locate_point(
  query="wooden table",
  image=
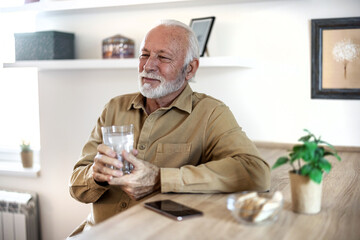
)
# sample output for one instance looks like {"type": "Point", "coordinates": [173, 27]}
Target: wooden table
{"type": "Point", "coordinates": [338, 219]}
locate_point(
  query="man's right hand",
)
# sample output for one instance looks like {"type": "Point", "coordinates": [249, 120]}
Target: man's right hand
{"type": "Point", "coordinates": [106, 164]}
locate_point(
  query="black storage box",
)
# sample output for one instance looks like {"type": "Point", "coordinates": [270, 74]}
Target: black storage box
{"type": "Point", "coordinates": [44, 45]}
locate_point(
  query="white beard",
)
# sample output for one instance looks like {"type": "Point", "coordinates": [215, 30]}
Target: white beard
{"type": "Point", "coordinates": [165, 87]}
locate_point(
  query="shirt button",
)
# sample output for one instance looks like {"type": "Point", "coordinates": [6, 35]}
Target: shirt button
{"type": "Point", "coordinates": [142, 147]}
{"type": "Point", "coordinates": [123, 205]}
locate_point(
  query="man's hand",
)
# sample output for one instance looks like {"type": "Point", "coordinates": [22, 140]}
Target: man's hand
{"type": "Point", "coordinates": [105, 164]}
{"type": "Point", "coordinates": [143, 180]}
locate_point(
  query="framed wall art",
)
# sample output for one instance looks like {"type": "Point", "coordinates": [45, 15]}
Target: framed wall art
{"type": "Point", "coordinates": [335, 58]}
{"type": "Point", "coordinates": [202, 28]}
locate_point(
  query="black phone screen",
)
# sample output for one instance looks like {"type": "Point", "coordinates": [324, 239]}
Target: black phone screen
{"type": "Point", "coordinates": [173, 209]}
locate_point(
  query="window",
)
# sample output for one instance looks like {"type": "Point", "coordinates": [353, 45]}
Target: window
{"type": "Point", "coordinates": [19, 103]}
{"type": "Point", "coordinates": [19, 109]}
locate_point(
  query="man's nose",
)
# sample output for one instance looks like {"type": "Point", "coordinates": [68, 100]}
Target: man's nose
{"type": "Point", "coordinates": [151, 64]}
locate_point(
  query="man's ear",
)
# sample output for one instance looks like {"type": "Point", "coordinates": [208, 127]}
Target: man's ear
{"type": "Point", "coordinates": [191, 69]}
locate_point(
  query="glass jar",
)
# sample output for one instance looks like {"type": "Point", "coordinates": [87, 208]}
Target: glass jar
{"type": "Point", "coordinates": [118, 46]}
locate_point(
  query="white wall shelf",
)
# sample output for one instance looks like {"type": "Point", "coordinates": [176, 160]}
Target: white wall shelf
{"type": "Point", "coordinates": [132, 63]}
{"type": "Point", "coordinates": [67, 5]}
{"type": "Point", "coordinates": [84, 5]}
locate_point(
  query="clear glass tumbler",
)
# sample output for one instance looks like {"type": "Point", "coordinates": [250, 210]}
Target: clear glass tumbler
{"type": "Point", "coordinates": [120, 138]}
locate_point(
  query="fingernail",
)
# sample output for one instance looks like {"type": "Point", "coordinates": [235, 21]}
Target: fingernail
{"type": "Point", "coordinates": [119, 173]}
{"type": "Point", "coordinates": [113, 153]}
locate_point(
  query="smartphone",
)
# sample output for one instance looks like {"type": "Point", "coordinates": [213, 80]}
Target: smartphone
{"type": "Point", "coordinates": [173, 209]}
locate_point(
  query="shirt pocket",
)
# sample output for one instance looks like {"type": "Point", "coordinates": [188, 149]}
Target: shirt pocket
{"type": "Point", "coordinates": [172, 155]}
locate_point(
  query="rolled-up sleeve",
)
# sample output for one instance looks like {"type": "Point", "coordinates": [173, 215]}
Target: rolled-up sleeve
{"type": "Point", "coordinates": [83, 186]}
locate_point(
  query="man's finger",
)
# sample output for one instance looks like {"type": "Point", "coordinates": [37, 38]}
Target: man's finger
{"type": "Point", "coordinates": [102, 148]}
{"type": "Point", "coordinates": [130, 158]}
{"type": "Point", "coordinates": [105, 160]}
{"type": "Point", "coordinates": [135, 152]}
{"type": "Point", "coordinates": [121, 181]}
{"type": "Point", "coordinates": [101, 177]}
{"type": "Point", "coordinates": [106, 170]}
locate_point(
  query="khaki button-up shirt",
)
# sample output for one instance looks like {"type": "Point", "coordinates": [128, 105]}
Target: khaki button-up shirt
{"type": "Point", "coordinates": [196, 142]}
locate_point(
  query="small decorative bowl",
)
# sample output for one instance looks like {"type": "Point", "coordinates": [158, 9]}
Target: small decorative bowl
{"type": "Point", "coordinates": [253, 208]}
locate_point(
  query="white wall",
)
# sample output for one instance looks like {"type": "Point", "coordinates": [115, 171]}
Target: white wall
{"type": "Point", "coordinates": [271, 101]}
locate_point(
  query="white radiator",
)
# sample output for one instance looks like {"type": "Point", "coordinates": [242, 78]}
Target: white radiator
{"type": "Point", "coordinates": [18, 216]}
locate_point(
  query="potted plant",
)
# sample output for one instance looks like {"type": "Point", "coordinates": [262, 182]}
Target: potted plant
{"type": "Point", "coordinates": [26, 155]}
{"type": "Point", "coordinates": [308, 165]}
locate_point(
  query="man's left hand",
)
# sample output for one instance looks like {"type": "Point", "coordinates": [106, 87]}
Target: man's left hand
{"type": "Point", "coordinates": [143, 180]}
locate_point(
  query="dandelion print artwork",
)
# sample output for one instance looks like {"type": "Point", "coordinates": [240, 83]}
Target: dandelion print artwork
{"type": "Point", "coordinates": [346, 51]}
{"type": "Point", "coordinates": [341, 59]}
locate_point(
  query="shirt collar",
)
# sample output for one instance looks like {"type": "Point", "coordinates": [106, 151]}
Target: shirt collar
{"type": "Point", "coordinates": [182, 102]}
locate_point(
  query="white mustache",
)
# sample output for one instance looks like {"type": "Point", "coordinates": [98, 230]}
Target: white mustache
{"type": "Point", "coordinates": [151, 75]}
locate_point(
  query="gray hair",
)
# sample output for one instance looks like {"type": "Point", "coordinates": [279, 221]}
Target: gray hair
{"type": "Point", "coordinates": [193, 47]}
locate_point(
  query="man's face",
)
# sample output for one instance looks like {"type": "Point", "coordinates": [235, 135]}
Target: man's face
{"type": "Point", "coordinates": [161, 65]}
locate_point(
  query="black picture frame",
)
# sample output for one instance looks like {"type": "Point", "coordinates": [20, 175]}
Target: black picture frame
{"type": "Point", "coordinates": [202, 28]}
{"type": "Point", "coordinates": [318, 26]}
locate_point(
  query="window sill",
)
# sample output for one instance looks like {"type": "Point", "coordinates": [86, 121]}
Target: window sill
{"type": "Point", "coordinates": [15, 169]}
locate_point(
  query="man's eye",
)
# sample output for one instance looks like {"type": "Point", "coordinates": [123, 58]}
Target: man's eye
{"type": "Point", "coordinates": [163, 58]}
{"type": "Point", "coordinates": [144, 55]}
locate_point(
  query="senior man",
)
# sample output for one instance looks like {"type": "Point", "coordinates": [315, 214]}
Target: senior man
{"type": "Point", "coordinates": [184, 141]}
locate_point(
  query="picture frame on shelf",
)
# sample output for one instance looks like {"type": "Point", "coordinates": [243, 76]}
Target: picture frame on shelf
{"type": "Point", "coordinates": [335, 58]}
{"type": "Point", "coordinates": [202, 28]}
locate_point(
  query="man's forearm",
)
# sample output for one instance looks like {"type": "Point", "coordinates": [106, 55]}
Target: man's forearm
{"type": "Point", "coordinates": [226, 175]}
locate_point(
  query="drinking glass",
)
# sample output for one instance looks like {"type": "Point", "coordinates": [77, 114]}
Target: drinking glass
{"type": "Point", "coordinates": [120, 138]}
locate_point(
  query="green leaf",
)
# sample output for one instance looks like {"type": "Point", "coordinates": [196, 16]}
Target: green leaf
{"type": "Point", "coordinates": [308, 152]}
{"type": "Point", "coordinates": [318, 154]}
{"type": "Point", "coordinates": [304, 138]}
{"type": "Point", "coordinates": [298, 148]}
{"type": "Point", "coordinates": [325, 165]}
{"type": "Point", "coordinates": [306, 169]}
{"type": "Point", "coordinates": [316, 175]}
{"type": "Point", "coordinates": [311, 146]}
{"type": "Point", "coordinates": [297, 152]}
{"type": "Point", "coordinates": [307, 137]}
{"type": "Point", "coordinates": [328, 144]}
{"type": "Point", "coordinates": [327, 153]}
{"type": "Point", "coordinates": [305, 130]}
{"type": "Point", "coordinates": [280, 161]}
